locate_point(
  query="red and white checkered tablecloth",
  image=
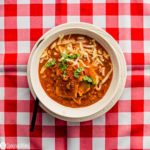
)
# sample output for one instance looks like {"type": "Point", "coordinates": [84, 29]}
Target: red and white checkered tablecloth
{"type": "Point", "coordinates": [125, 126]}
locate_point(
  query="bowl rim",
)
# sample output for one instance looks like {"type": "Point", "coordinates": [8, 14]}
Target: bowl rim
{"type": "Point", "coordinates": [122, 79]}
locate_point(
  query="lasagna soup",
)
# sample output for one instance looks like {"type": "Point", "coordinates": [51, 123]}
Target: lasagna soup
{"type": "Point", "coordinates": [75, 70]}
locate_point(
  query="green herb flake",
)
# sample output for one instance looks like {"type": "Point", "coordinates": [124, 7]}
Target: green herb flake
{"type": "Point", "coordinates": [65, 56]}
{"type": "Point", "coordinates": [88, 79]}
{"type": "Point", "coordinates": [50, 63]}
{"type": "Point", "coordinates": [74, 56]}
{"type": "Point", "coordinates": [63, 66]}
{"type": "Point", "coordinates": [77, 72]}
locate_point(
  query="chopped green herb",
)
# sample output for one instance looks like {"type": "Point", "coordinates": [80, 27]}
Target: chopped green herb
{"type": "Point", "coordinates": [88, 79]}
{"type": "Point", "coordinates": [63, 66]}
{"type": "Point", "coordinates": [74, 56]}
{"type": "Point", "coordinates": [50, 63]}
{"type": "Point", "coordinates": [63, 61]}
{"type": "Point", "coordinates": [77, 72]}
{"type": "Point", "coordinates": [65, 56]}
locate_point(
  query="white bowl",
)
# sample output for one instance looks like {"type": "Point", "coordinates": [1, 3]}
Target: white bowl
{"type": "Point", "coordinates": [116, 86]}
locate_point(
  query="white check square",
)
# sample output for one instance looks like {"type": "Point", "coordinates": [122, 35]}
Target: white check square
{"type": "Point", "coordinates": [48, 21]}
{"type": "Point", "coordinates": [146, 117]}
{"type": "Point", "coordinates": [146, 21]}
{"type": "Point", "coordinates": [98, 143]}
{"type": "Point", "coordinates": [47, 119]}
{"type": "Point", "coordinates": [1, 22]}
{"type": "Point", "coordinates": [124, 118]}
{"type": "Point", "coordinates": [23, 47]}
{"type": "Point", "coordinates": [124, 21]}
{"type": "Point", "coordinates": [73, 144]}
{"type": "Point", "coordinates": [23, 94]}
{"type": "Point", "coordinates": [99, 1]}
{"type": "Point", "coordinates": [146, 142]}
{"type": "Point", "coordinates": [2, 139]}
{"type": "Point", "coordinates": [99, 120]}
{"type": "Point", "coordinates": [23, 22]}
{"type": "Point", "coordinates": [1, 118]}
{"type": "Point", "coordinates": [125, 45]}
{"type": "Point", "coordinates": [126, 95]}
{"type": "Point", "coordinates": [147, 93]}
{"type": "Point", "coordinates": [2, 47]}
{"type": "Point", "coordinates": [147, 73]}
{"type": "Point", "coordinates": [1, 93]}
{"type": "Point", "coordinates": [49, 1]}
{"type": "Point", "coordinates": [23, 118]}
{"type": "Point", "coordinates": [73, 1]}
{"type": "Point", "coordinates": [23, 143]}
{"type": "Point", "coordinates": [48, 143]}
{"type": "Point", "coordinates": [100, 21]}
{"type": "Point", "coordinates": [124, 1]}
{"type": "Point", "coordinates": [73, 19]}
{"type": "Point", "coordinates": [146, 1]}
{"type": "Point", "coordinates": [147, 46]}
{"type": "Point", "coordinates": [23, 1]}
{"type": "Point", "coordinates": [124, 142]}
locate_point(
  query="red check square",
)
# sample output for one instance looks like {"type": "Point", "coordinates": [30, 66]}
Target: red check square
{"type": "Point", "coordinates": [10, 59]}
{"type": "Point", "coordinates": [137, 9]}
{"type": "Point", "coordinates": [137, 34]}
{"type": "Point", "coordinates": [35, 34]}
{"type": "Point", "coordinates": [114, 32]}
{"type": "Point", "coordinates": [10, 81]}
{"type": "Point", "coordinates": [86, 9]}
{"type": "Point", "coordinates": [137, 80]}
{"type": "Point", "coordinates": [61, 131]}
{"type": "Point", "coordinates": [10, 105]}
{"type": "Point", "coordinates": [37, 131]}
{"type": "Point", "coordinates": [36, 9]}
{"type": "Point", "coordinates": [86, 131]}
{"type": "Point", "coordinates": [137, 105]}
{"type": "Point", "coordinates": [138, 58]}
{"type": "Point", "coordinates": [112, 9]}
{"type": "Point", "coordinates": [10, 9]}
{"type": "Point", "coordinates": [111, 130]}
{"type": "Point", "coordinates": [137, 130]}
{"type": "Point", "coordinates": [10, 130]}
{"type": "Point", "coordinates": [10, 34]}
{"type": "Point", "coordinates": [61, 9]}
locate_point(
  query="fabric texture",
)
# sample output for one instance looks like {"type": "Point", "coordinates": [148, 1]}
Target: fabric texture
{"type": "Point", "coordinates": [125, 126]}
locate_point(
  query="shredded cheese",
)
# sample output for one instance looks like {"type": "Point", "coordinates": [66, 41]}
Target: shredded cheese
{"type": "Point", "coordinates": [107, 76]}
{"type": "Point", "coordinates": [81, 46]}
{"type": "Point", "coordinates": [83, 41]}
{"type": "Point", "coordinates": [42, 69]}
{"type": "Point", "coordinates": [84, 65]}
{"type": "Point", "coordinates": [53, 45]}
{"type": "Point", "coordinates": [105, 55]}
{"type": "Point", "coordinates": [88, 46]}
{"type": "Point", "coordinates": [61, 36]}
{"type": "Point", "coordinates": [64, 42]}
{"type": "Point", "coordinates": [94, 53]}
{"type": "Point", "coordinates": [103, 71]}
{"type": "Point", "coordinates": [98, 87]}
{"type": "Point", "coordinates": [80, 37]}
{"type": "Point", "coordinates": [44, 54]}
{"type": "Point", "coordinates": [70, 47]}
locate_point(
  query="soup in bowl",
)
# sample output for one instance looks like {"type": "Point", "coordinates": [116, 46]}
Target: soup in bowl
{"type": "Point", "coordinates": [77, 71]}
